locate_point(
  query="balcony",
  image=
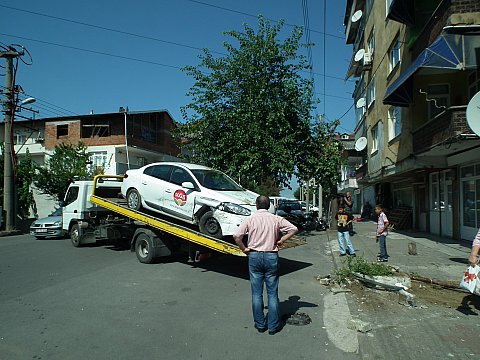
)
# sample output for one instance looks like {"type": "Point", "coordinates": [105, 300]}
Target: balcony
{"type": "Point", "coordinates": [439, 19]}
{"type": "Point", "coordinates": [347, 184]}
{"type": "Point", "coordinates": [442, 129]}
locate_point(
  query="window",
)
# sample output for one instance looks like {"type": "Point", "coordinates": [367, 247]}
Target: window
{"type": "Point", "coordinates": [394, 54]}
{"type": "Point", "coordinates": [371, 93]}
{"type": "Point", "coordinates": [473, 83]}
{"type": "Point", "coordinates": [359, 112]}
{"type": "Point", "coordinates": [388, 3]}
{"type": "Point", "coordinates": [440, 99]}
{"type": "Point", "coordinates": [95, 128]}
{"type": "Point", "coordinates": [71, 195]}
{"type": "Point", "coordinates": [371, 42]}
{"type": "Point", "coordinates": [62, 130]}
{"type": "Point", "coordinates": [374, 139]}
{"type": "Point", "coordinates": [161, 172]}
{"type": "Point", "coordinates": [394, 122]}
{"type": "Point", "coordinates": [179, 176]}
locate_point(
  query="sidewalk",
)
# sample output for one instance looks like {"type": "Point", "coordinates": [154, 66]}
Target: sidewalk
{"type": "Point", "coordinates": [439, 258]}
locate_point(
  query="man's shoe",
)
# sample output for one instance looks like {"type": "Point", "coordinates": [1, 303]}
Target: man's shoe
{"type": "Point", "coordinates": [382, 260]}
{"type": "Point", "coordinates": [273, 332]}
{"type": "Point", "coordinates": [261, 330]}
{"type": "Point", "coordinates": [343, 254]}
{"type": "Point", "coordinates": [353, 255]}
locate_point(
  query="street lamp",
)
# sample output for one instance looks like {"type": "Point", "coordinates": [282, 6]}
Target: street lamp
{"type": "Point", "coordinates": [27, 101]}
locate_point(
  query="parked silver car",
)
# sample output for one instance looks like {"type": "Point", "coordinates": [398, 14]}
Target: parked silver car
{"type": "Point", "coordinates": [50, 226]}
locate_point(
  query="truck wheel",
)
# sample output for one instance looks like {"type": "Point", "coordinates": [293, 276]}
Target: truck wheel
{"type": "Point", "coordinates": [145, 249]}
{"type": "Point", "coordinates": [75, 235]}
{"type": "Point", "coordinates": [210, 226]}
{"type": "Point", "coordinates": [133, 199]}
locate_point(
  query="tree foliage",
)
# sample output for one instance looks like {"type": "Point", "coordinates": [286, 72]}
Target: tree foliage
{"type": "Point", "coordinates": [65, 164]}
{"type": "Point", "coordinates": [321, 156]}
{"type": "Point", "coordinates": [250, 110]}
{"type": "Point", "coordinates": [26, 173]}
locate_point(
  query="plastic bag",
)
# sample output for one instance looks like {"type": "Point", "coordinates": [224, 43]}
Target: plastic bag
{"type": "Point", "coordinates": [470, 280]}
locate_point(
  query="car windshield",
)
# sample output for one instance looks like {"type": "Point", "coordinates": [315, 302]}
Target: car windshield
{"type": "Point", "coordinates": [291, 205]}
{"type": "Point", "coordinates": [57, 212]}
{"type": "Point", "coordinates": [215, 180]}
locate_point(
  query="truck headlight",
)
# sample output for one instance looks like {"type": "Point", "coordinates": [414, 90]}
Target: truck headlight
{"type": "Point", "coordinates": [234, 209]}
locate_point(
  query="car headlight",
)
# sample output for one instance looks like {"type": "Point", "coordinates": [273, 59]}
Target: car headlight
{"type": "Point", "coordinates": [234, 209]}
{"type": "Point", "coordinates": [58, 223]}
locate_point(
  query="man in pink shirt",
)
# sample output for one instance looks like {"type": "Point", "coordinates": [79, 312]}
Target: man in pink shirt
{"type": "Point", "coordinates": [266, 233]}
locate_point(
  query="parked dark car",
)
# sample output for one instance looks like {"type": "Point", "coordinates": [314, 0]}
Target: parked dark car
{"type": "Point", "coordinates": [307, 221]}
{"type": "Point", "coordinates": [50, 226]}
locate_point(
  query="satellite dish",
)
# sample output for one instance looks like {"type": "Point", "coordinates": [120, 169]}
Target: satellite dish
{"type": "Point", "coordinates": [359, 54]}
{"type": "Point", "coordinates": [361, 103]}
{"type": "Point", "coordinates": [361, 143]}
{"type": "Point", "coordinates": [357, 15]}
{"type": "Point", "coordinates": [473, 114]}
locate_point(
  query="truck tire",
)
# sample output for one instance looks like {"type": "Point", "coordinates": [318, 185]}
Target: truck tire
{"type": "Point", "coordinates": [145, 249]}
{"type": "Point", "coordinates": [134, 201]}
{"type": "Point", "coordinates": [210, 226]}
{"type": "Point", "coordinates": [75, 235]}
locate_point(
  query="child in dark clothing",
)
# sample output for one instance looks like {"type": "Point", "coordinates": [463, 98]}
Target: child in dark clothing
{"type": "Point", "coordinates": [343, 222]}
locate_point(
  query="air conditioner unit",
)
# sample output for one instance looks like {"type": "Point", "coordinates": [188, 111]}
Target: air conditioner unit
{"type": "Point", "coordinates": [367, 61]}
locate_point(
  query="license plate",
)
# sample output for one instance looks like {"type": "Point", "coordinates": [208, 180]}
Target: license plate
{"type": "Point", "coordinates": [41, 230]}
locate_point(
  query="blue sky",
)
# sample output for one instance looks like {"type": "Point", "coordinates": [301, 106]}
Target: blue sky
{"type": "Point", "coordinates": [68, 81]}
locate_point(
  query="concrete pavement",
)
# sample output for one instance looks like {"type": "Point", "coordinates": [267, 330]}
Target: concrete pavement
{"type": "Point", "coordinates": [437, 257]}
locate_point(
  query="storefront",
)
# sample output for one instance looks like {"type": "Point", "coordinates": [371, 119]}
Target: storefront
{"type": "Point", "coordinates": [469, 200]}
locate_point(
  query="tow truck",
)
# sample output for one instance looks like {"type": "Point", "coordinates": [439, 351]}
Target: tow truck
{"type": "Point", "coordinates": [95, 210]}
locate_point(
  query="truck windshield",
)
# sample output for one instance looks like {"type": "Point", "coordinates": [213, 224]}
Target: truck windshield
{"type": "Point", "coordinates": [215, 180]}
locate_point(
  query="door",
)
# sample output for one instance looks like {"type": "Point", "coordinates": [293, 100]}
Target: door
{"type": "Point", "coordinates": [179, 201]}
{"type": "Point", "coordinates": [152, 187]}
{"type": "Point", "coordinates": [71, 206]}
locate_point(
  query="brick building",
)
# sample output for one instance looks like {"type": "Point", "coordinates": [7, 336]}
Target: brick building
{"type": "Point", "coordinates": [115, 141]}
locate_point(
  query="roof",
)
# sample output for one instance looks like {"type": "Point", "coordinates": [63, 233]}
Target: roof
{"type": "Point", "coordinates": [106, 114]}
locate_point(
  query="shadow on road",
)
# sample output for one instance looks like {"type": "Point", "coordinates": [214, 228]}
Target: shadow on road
{"type": "Point", "coordinates": [469, 303]}
{"type": "Point", "coordinates": [461, 260]}
{"type": "Point", "coordinates": [238, 266]}
{"type": "Point", "coordinates": [292, 305]}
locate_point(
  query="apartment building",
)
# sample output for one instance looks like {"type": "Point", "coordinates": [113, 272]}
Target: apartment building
{"type": "Point", "coordinates": [115, 141]}
{"type": "Point", "coordinates": [417, 67]}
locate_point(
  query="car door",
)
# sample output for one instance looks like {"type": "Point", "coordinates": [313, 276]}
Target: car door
{"type": "Point", "coordinates": [178, 201]}
{"type": "Point", "coordinates": [71, 206]}
{"type": "Point", "coordinates": [153, 183]}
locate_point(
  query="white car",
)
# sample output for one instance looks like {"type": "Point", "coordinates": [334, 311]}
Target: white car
{"type": "Point", "coordinates": [191, 193]}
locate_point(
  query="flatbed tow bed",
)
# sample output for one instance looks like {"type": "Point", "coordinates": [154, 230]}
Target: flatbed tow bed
{"type": "Point", "coordinates": [151, 237]}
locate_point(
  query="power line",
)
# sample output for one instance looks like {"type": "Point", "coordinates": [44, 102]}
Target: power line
{"type": "Point", "coordinates": [94, 52]}
{"type": "Point", "coordinates": [255, 16]}
{"type": "Point", "coordinates": [106, 28]}
{"type": "Point", "coordinates": [324, 51]}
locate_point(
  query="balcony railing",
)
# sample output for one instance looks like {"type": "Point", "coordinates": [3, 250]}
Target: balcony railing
{"type": "Point", "coordinates": [443, 128]}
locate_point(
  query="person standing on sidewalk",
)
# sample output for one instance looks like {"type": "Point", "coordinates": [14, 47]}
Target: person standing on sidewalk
{"type": "Point", "coordinates": [381, 234]}
{"type": "Point", "coordinates": [343, 221]}
{"type": "Point", "coordinates": [349, 210]}
{"type": "Point", "coordinates": [266, 233]}
{"type": "Point", "coordinates": [475, 248]}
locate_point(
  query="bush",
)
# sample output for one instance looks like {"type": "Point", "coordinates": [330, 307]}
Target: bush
{"type": "Point", "coordinates": [360, 265]}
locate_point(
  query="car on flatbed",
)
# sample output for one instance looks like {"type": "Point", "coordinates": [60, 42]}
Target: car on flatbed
{"type": "Point", "coordinates": [193, 194]}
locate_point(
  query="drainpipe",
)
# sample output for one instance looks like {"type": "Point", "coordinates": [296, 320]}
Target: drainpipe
{"type": "Point", "coordinates": [126, 140]}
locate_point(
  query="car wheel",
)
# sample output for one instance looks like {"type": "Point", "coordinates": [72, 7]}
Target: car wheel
{"type": "Point", "coordinates": [133, 199]}
{"type": "Point", "coordinates": [144, 249]}
{"type": "Point", "coordinates": [75, 235]}
{"type": "Point", "coordinates": [210, 226]}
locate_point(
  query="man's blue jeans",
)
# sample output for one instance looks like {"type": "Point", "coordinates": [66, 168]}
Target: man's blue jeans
{"type": "Point", "coordinates": [263, 267]}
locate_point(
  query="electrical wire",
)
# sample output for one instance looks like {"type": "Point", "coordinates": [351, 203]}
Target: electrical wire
{"type": "Point", "coordinates": [104, 28]}
{"type": "Point", "coordinates": [255, 16]}
{"type": "Point", "coordinates": [94, 51]}
{"type": "Point", "coordinates": [324, 52]}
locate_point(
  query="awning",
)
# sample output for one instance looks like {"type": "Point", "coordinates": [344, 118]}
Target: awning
{"type": "Point", "coordinates": [450, 52]}
{"type": "Point", "coordinates": [402, 11]}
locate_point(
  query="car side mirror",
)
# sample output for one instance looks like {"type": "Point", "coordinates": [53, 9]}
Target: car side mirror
{"type": "Point", "coordinates": [188, 185]}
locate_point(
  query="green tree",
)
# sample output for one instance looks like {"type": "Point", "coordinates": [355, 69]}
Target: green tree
{"type": "Point", "coordinates": [250, 110]}
{"type": "Point", "coordinates": [321, 157]}
{"type": "Point", "coordinates": [26, 170]}
{"type": "Point", "coordinates": [65, 164]}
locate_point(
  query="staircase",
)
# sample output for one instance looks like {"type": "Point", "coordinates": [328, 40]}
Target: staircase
{"type": "Point", "coordinates": [401, 218]}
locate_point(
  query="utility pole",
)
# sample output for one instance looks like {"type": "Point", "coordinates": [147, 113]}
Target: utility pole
{"type": "Point", "coordinates": [9, 106]}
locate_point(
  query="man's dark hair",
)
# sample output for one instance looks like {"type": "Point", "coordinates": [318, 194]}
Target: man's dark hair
{"type": "Point", "coordinates": [263, 202]}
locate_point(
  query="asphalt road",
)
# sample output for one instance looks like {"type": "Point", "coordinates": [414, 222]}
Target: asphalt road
{"type": "Point", "coordinates": [61, 302]}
